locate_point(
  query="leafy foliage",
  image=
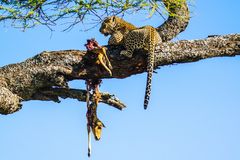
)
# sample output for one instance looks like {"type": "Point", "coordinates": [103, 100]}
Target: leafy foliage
{"type": "Point", "coordinates": [29, 13]}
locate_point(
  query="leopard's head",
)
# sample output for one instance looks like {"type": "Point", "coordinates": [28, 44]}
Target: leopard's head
{"type": "Point", "coordinates": [113, 24]}
{"type": "Point", "coordinates": [109, 25]}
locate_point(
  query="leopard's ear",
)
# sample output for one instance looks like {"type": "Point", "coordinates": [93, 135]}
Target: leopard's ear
{"type": "Point", "coordinates": [114, 18]}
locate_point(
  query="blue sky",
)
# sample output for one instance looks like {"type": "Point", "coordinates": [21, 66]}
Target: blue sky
{"type": "Point", "coordinates": [193, 113]}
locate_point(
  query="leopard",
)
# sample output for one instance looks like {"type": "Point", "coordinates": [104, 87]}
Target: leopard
{"type": "Point", "coordinates": [133, 38]}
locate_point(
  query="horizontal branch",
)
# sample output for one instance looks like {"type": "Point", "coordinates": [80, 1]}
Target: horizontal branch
{"type": "Point", "coordinates": [53, 69]}
{"type": "Point", "coordinates": [79, 94]}
{"type": "Point", "coordinates": [193, 50]}
{"type": "Point", "coordinates": [168, 53]}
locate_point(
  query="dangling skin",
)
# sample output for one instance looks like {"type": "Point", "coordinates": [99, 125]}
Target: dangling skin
{"type": "Point", "coordinates": [87, 115]}
{"type": "Point", "coordinates": [102, 58]}
{"type": "Point", "coordinates": [93, 123]}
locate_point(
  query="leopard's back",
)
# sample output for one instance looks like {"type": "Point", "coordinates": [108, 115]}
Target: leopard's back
{"type": "Point", "coordinates": [144, 38]}
{"type": "Point", "coordinates": [132, 38]}
{"type": "Point", "coordinates": [141, 38]}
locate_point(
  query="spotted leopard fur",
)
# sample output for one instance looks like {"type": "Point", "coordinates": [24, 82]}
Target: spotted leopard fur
{"type": "Point", "coordinates": [131, 37]}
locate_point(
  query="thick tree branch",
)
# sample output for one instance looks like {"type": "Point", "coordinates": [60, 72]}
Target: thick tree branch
{"type": "Point", "coordinates": [46, 76]}
{"type": "Point", "coordinates": [194, 50]}
{"type": "Point", "coordinates": [38, 77]}
{"type": "Point", "coordinates": [177, 20]}
{"type": "Point", "coordinates": [168, 53]}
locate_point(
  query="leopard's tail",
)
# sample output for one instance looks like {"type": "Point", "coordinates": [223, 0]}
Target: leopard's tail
{"type": "Point", "coordinates": [150, 65]}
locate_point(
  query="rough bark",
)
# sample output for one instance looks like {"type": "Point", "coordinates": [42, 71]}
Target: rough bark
{"type": "Point", "coordinates": [177, 20]}
{"type": "Point", "coordinates": [45, 76]}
